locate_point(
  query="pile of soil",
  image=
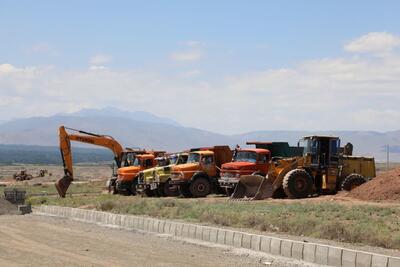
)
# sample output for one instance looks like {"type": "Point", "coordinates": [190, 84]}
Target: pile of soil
{"type": "Point", "coordinates": [386, 186]}
{"type": "Point", "coordinates": [7, 208]}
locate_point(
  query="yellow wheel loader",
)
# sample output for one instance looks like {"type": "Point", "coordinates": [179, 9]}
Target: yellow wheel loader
{"type": "Point", "coordinates": [324, 168]}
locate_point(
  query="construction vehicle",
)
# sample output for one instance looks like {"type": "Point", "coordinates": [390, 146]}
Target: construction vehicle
{"type": "Point", "coordinates": [156, 181]}
{"type": "Point", "coordinates": [128, 176]}
{"type": "Point", "coordinates": [279, 150]}
{"type": "Point", "coordinates": [249, 161]}
{"type": "Point", "coordinates": [324, 168]}
{"type": "Point", "coordinates": [199, 176]}
{"type": "Point", "coordinates": [22, 175]}
{"type": "Point", "coordinates": [122, 157]}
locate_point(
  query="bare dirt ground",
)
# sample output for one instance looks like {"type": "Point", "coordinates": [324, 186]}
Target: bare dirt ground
{"type": "Point", "coordinates": [82, 173]}
{"type": "Point", "coordinates": [48, 241]}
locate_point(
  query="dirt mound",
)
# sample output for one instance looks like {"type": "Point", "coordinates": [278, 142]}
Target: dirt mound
{"type": "Point", "coordinates": [386, 186]}
{"type": "Point", "coordinates": [7, 208]}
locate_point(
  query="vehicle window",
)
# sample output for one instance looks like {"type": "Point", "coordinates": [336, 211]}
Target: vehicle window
{"type": "Point", "coordinates": [148, 162]}
{"type": "Point", "coordinates": [173, 159]}
{"type": "Point", "coordinates": [193, 157]}
{"type": "Point", "coordinates": [207, 160]}
{"type": "Point", "coordinates": [264, 158]}
{"type": "Point", "coordinates": [137, 162]}
{"type": "Point", "coordinates": [245, 156]}
{"type": "Point", "coordinates": [163, 162]}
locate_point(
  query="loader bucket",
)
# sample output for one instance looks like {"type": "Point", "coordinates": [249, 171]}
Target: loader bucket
{"type": "Point", "coordinates": [62, 185]}
{"type": "Point", "coordinates": [253, 187]}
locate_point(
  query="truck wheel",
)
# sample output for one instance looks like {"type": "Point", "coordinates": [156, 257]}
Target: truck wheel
{"type": "Point", "coordinates": [200, 187]}
{"type": "Point", "coordinates": [170, 190]}
{"type": "Point", "coordinates": [184, 190]}
{"type": "Point", "coordinates": [148, 193]}
{"type": "Point", "coordinates": [133, 186]}
{"type": "Point", "coordinates": [352, 181]}
{"type": "Point", "coordinates": [297, 184]}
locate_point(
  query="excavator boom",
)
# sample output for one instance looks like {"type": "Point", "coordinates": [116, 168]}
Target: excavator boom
{"type": "Point", "coordinates": [84, 137]}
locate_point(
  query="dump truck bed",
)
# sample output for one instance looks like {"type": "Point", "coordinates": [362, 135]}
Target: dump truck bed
{"type": "Point", "coordinates": [279, 149]}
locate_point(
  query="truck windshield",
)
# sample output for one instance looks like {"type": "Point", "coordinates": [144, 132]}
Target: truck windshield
{"type": "Point", "coordinates": [193, 157]}
{"type": "Point", "coordinates": [136, 162]}
{"type": "Point", "coordinates": [128, 159]}
{"type": "Point", "coordinates": [162, 162]}
{"type": "Point", "coordinates": [245, 156]}
{"type": "Point", "coordinates": [310, 146]}
{"type": "Point", "coordinates": [173, 159]}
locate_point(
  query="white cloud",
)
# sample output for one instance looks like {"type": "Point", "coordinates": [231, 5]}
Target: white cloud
{"type": "Point", "coordinates": [100, 59]}
{"type": "Point", "coordinates": [94, 67]}
{"type": "Point", "coordinates": [322, 94]}
{"type": "Point", "coordinates": [375, 42]}
{"type": "Point", "coordinates": [190, 73]}
{"type": "Point", "coordinates": [186, 55]}
{"type": "Point", "coordinates": [7, 69]}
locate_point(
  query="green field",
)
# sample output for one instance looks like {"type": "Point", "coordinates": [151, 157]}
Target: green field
{"type": "Point", "coordinates": [49, 189]}
{"type": "Point", "coordinates": [376, 225]}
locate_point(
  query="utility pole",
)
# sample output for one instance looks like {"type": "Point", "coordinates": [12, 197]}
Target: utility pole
{"type": "Point", "coordinates": [387, 157]}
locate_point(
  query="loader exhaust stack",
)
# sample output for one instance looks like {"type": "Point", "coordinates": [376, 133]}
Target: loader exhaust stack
{"type": "Point", "coordinates": [253, 187]}
{"type": "Point", "coordinates": [62, 185]}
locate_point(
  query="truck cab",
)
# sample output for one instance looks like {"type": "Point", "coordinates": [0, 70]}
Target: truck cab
{"type": "Point", "coordinates": [127, 176]}
{"type": "Point", "coordinates": [156, 181]}
{"type": "Point", "coordinates": [199, 176]}
{"type": "Point", "coordinates": [249, 161]}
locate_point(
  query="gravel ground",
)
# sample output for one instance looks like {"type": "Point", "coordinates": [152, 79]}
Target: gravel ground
{"type": "Point", "coordinates": [48, 241]}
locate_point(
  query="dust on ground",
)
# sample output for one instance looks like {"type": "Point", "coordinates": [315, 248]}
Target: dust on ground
{"type": "Point", "coordinates": [7, 208]}
{"type": "Point", "coordinates": [82, 173]}
{"type": "Point", "coordinates": [384, 187]}
{"type": "Point", "coordinates": [48, 241]}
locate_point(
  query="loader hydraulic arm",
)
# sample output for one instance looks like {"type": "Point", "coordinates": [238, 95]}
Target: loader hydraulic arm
{"type": "Point", "coordinates": [84, 137]}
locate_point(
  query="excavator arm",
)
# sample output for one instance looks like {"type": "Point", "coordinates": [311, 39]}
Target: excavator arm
{"type": "Point", "coordinates": [84, 137]}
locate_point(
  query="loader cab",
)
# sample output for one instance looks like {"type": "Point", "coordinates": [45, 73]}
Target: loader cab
{"type": "Point", "coordinates": [321, 151]}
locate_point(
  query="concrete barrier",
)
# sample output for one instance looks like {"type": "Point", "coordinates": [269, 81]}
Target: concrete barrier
{"type": "Point", "coordinates": [320, 254]}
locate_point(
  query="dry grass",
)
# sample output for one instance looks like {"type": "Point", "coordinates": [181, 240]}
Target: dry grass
{"type": "Point", "coordinates": [364, 224]}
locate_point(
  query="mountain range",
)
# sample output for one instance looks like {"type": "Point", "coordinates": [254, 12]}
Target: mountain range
{"type": "Point", "coordinates": [146, 130]}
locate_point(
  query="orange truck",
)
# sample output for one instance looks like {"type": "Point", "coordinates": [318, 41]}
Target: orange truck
{"type": "Point", "coordinates": [247, 161]}
{"type": "Point", "coordinates": [199, 176]}
{"type": "Point", "coordinates": [128, 176]}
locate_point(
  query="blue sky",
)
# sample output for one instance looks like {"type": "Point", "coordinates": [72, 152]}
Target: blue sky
{"type": "Point", "coordinates": [195, 49]}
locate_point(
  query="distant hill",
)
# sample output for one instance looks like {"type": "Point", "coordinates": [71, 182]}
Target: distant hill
{"type": "Point", "coordinates": [141, 129]}
{"type": "Point", "coordinates": [112, 112]}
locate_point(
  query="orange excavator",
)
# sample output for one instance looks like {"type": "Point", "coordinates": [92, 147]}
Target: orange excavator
{"type": "Point", "coordinates": [121, 155]}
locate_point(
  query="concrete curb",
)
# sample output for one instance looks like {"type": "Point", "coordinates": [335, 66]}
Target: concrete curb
{"type": "Point", "coordinates": [323, 255]}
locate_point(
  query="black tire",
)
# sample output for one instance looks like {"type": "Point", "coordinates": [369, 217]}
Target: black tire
{"type": "Point", "coordinates": [133, 186]}
{"type": "Point", "coordinates": [169, 190]}
{"type": "Point", "coordinates": [352, 181]}
{"type": "Point", "coordinates": [184, 190]}
{"type": "Point", "coordinates": [149, 193]}
{"type": "Point", "coordinates": [200, 187]}
{"type": "Point", "coordinates": [297, 184]}
{"type": "Point", "coordinates": [279, 193]}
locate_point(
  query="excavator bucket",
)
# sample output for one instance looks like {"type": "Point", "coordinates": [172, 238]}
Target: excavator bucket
{"type": "Point", "coordinates": [62, 185]}
{"type": "Point", "coordinates": [253, 187]}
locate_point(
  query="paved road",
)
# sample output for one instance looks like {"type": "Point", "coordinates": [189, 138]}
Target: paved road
{"type": "Point", "coordinates": [47, 241]}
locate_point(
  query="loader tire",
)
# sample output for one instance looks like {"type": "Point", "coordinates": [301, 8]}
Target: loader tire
{"type": "Point", "coordinates": [169, 190]}
{"type": "Point", "coordinates": [200, 187]}
{"type": "Point", "coordinates": [184, 190]}
{"type": "Point", "coordinates": [352, 181]}
{"type": "Point", "coordinates": [297, 184]}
